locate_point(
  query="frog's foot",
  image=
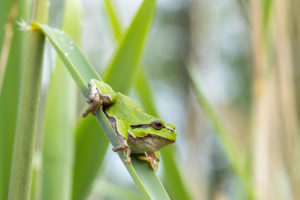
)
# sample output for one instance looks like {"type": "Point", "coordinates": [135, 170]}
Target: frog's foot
{"type": "Point", "coordinates": [96, 101]}
{"type": "Point", "coordinates": [151, 158]}
{"type": "Point", "coordinates": [126, 149]}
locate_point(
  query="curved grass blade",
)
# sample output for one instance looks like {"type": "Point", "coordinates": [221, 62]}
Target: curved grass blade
{"type": "Point", "coordinates": [113, 19]}
{"type": "Point", "coordinates": [230, 150]}
{"type": "Point", "coordinates": [90, 149]}
{"type": "Point", "coordinates": [108, 190]}
{"type": "Point", "coordinates": [82, 72]}
{"type": "Point", "coordinates": [93, 159]}
{"type": "Point", "coordinates": [171, 176]}
{"type": "Point", "coordinates": [71, 56]}
{"type": "Point", "coordinates": [128, 55]}
{"type": "Point", "coordinates": [59, 120]}
{"type": "Point", "coordinates": [141, 83]}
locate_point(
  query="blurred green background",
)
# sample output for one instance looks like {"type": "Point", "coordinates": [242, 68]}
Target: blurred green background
{"type": "Point", "coordinates": [243, 58]}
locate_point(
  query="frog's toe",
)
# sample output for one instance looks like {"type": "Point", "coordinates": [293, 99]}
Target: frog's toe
{"type": "Point", "coordinates": [95, 102]}
{"type": "Point", "coordinates": [152, 161]}
{"type": "Point", "coordinates": [119, 148]}
{"type": "Point", "coordinates": [127, 151]}
{"type": "Point", "coordinates": [91, 109]}
{"type": "Point", "coordinates": [128, 160]}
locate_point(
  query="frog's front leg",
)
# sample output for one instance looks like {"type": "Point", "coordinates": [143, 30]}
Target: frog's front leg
{"type": "Point", "coordinates": [151, 158]}
{"type": "Point", "coordinates": [96, 101]}
{"type": "Point", "coordinates": [125, 147]}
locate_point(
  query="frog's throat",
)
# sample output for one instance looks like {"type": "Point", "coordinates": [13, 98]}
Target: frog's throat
{"type": "Point", "coordinates": [148, 143]}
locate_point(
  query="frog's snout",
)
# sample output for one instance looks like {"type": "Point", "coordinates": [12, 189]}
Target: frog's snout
{"type": "Point", "coordinates": [171, 127]}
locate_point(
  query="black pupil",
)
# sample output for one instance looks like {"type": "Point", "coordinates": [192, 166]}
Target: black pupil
{"type": "Point", "coordinates": [157, 123]}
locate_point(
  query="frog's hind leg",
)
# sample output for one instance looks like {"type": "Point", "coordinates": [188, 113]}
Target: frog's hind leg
{"type": "Point", "coordinates": [124, 147]}
{"type": "Point", "coordinates": [95, 104]}
{"type": "Point", "coordinates": [151, 158]}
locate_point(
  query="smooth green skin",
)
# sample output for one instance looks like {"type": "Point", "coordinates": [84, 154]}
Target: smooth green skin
{"type": "Point", "coordinates": [127, 113]}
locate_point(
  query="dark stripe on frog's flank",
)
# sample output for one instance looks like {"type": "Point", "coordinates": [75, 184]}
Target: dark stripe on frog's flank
{"type": "Point", "coordinates": [113, 123]}
{"type": "Point", "coordinates": [149, 142]}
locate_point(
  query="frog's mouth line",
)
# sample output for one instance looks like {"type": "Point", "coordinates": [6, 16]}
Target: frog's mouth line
{"type": "Point", "coordinates": [152, 136]}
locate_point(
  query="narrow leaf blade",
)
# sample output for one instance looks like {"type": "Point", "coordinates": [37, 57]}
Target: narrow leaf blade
{"type": "Point", "coordinates": [9, 91]}
{"type": "Point", "coordinates": [171, 176]}
{"type": "Point", "coordinates": [116, 79]}
{"type": "Point", "coordinates": [72, 57]}
{"type": "Point", "coordinates": [82, 72]}
{"type": "Point", "coordinates": [59, 120]}
{"type": "Point", "coordinates": [90, 149]}
{"type": "Point", "coordinates": [127, 57]}
{"type": "Point", "coordinates": [230, 149]}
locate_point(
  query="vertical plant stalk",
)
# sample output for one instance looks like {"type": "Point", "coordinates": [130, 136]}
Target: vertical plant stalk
{"type": "Point", "coordinates": [9, 100]}
{"type": "Point", "coordinates": [8, 35]}
{"type": "Point", "coordinates": [21, 172]}
{"type": "Point", "coordinates": [27, 118]}
{"type": "Point", "coordinates": [287, 93]}
{"type": "Point", "coordinates": [268, 163]}
{"type": "Point", "coordinates": [260, 132]}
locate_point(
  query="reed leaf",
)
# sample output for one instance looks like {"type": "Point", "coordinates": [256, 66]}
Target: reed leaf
{"type": "Point", "coordinates": [82, 72]}
{"type": "Point", "coordinates": [59, 120]}
{"type": "Point", "coordinates": [171, 176]}
{"type": "Point", "coordinates": [9, 100]}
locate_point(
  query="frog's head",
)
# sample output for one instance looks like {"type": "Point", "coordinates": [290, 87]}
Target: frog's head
{"type": "Point", "coordinates": [155, 127]}
{"type": "Point", "coordinates": [159, 128]}
{"type": "Point", "coordinates": [152, 136]}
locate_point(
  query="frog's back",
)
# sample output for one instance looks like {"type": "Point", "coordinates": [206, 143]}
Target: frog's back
{"type": "Point", "coordinates": [127, 109]}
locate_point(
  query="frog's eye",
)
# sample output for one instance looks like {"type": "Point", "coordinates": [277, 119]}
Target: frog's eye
{"type": "Point", "coordinates": [157, 124]}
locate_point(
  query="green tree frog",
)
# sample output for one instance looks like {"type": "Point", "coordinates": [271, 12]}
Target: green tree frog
{"type": "Point", "coordinates": [138, 132]}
